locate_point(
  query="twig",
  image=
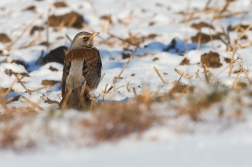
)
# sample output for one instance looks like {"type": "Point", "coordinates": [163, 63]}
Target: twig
{"type": "Point", "coordinates": [240, 22]}
{"type": "Point", "coordinates": [211, 37]}
{"type": "Point", "coordinates": [26, 108]}
{"type": "Point", "coordinates": [121, 39]}
{"type": "Point", "coordinates": [229, 15]}
{"type": "Point", "coordinates": [32, 103]}
{"type": "Point", "coordinates": [47, 29]}
{"type": "Point", "coordinates": [51, 101]}
{"type": "Point", "coordinates": [135, 94]}
{"type": "Point", "coordinates": [228, 45]}
{"type": "Point", "coordinates": [61, 25]}
{"type": "Point", "coordinates": [1, 91]}
{"type": "Point", "coordinates": [40, 58]}
{"type": "Point", "coordinates": [2, 99]}
{"type": "Point", "coordinates": [106, 26]}
{"type": "Point", "coordinates": [205, 72]}
{"type": "Point", "coordinates": [71, 21]}
{"type": "Point", "coordinates": [69, 38]}
{"type": "Point", "coordinates": [109, 89]}
{"type": "Point", "coordinates": [127, 86]}
{"type": "Point", "coordinates": [220, 72]}
{"type": "Point", "coordinates": [232, 60]}
{"type": "Point", "coordinates": [246, 44]}
{"type": "Point", "coordinates": [235, 45]}
{"type": "Point", "coordinates": [38, 89]}
{"type": "Point", "coordinates": [199, 41]}
{"type": "Point", "coordinates": [115, 79]}
{"type": "Point", "coordinates": [10, 87]}
{"type": "Point", "coordinates": [26, 28]}
{"type": "Point", "coordinates": [105, 89]}
{"type": "Point", "coordinates": [147, 97]}
{"type": "Point", "coordinates": [33, 42]}
{"type": "Point", "coordinates": [197, 75]}
{"type": "Point", "coordinates": [115, 89]}
{"type": "Point", "coordinates": [19, 80]}
{"type": "Point", "coordinates": [244, 32]}
{"type": "Point", "coordinates": [63, 106]}
{"type": "Point", "coordinates": [59, 97]}
{"type": "Point", "coordinates": [9, 100]}
{"type": "Point", "coordinates": [187, 19]}
{"type": "Point", "coordinates": [179, 78]}
{"type": "Point", "coordinates": [102, 77]}
{"type": "Point", "coordinates": [234, 83]}
{"type": "Point", "coordinates": [245, 72]}
{"type": "Point", "coordinates": [159, 75]}
{"type": "Point", "coordinates": [182, 74]}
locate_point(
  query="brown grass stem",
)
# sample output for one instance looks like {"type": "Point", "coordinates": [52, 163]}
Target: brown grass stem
{"type": "Point", "coordinates": [205, 72]}
{"type": "Point", "coordinates": [199, 41]}
{"type": "Point", "coordinates": [182, 74]}
{"type": "Point", "coordinates": [22, 84]}
{"type": "Point", "coordinates": [232, 60]}
{"type": "Point", "coordinates": [220, 72]}
{"type": "Point", "coordinates": [135, 94]}
{"type": "Point", "coordinates": [69, 38]}
{"type": "Point", "coordinates": [41, 88]}
{"type": "Point", "coordinates": [63, 106]}
{"type": "Point", "coordinates": [102, 76]}
{"type": "Point", "coordinates": [211, 37]}
{"type": "Point", "coordinates": [159, 75]}
{"type": "Point", "coordinates": [47, 29]}
{"type": "Point", "coordinates": [235, 45]}
{"type": "Point", "coordinates": [10, 87]}
{"type": "Point", "coordinates": [71, 22]}
{"type": "Point", "coordinates": [118, 76]}
{"type": "Point", "coordinates": [235, 81]}
{"type": "Point", "coordinates": [9, 47]}
{"type": "Point", "coordinates": [32, 103]}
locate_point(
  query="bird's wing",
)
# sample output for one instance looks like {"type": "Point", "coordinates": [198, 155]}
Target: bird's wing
{"type": "Point", "coordinates": [66, 68]}
{"type": "Point", "coordinates": [99, 63]}
{"type": "Point", "coordinates": [92, 68]}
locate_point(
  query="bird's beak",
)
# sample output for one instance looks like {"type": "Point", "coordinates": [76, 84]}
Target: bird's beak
{"type": "Point", "coordinates": [93, 35]}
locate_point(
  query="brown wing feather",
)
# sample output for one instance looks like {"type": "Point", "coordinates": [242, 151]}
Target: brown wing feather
{"type": "Point", "coordinates": [92, 70]}
{"type": "Point", "coordinates": [66, 68]}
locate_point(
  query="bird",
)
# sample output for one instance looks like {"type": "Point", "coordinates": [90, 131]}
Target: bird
{"type": "Point", "coordinates": [81, 71]}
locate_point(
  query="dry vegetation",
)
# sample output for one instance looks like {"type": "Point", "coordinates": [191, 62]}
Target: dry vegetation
{"type": "Point", "coordinates": [112, 121]}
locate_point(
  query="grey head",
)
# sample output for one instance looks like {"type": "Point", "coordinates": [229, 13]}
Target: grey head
{"type": "Point", "coordinates": [83, 39]}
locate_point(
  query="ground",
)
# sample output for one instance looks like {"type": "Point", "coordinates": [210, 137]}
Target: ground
{"type": "Point", "coordinates": [175, 88]}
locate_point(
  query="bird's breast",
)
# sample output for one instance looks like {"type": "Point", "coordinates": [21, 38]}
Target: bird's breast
{"type": "Point", "coordinates": [75, 77]}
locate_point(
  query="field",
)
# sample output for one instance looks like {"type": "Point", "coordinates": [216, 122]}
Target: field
{"type": "Point", "coordinates": [175, 87]}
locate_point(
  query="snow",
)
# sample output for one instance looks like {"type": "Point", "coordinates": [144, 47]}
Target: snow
{"type": "Point", "coordinates": [189, 151]}
{"type": "Point", "coordinates": [212, 140]}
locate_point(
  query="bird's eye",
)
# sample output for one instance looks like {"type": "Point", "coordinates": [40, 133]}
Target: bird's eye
{"type": "Point", "coordinates": [85, 38]}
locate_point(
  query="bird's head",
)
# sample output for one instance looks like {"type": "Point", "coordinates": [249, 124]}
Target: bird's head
{"type": "Point", "coordinates": [83, 39]}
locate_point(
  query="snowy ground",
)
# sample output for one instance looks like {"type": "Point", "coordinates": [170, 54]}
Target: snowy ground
{"type": "Point", "coordinates": [155, 34]}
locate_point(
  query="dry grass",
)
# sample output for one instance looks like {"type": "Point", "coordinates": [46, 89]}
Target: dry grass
{"type": "Point", "coordinates": [113, 121]}
{"type": "Point", "coordinates": [199, 100]}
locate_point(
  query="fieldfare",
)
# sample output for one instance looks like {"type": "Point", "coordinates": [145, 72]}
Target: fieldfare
{"type": "Point", "coordinates": [81, 71]}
